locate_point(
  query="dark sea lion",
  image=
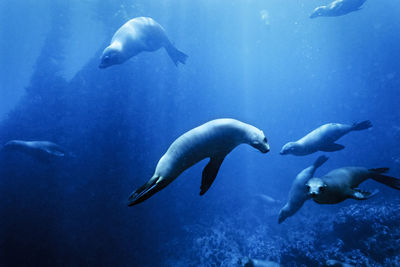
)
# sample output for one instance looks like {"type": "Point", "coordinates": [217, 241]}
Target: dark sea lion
{"type": "Point", "coordinates": [335, 263]}
{"type": "Point", "coordinates": [41, 150]}
{"type": "Point", "coordinates": [247, 262]}
{"type": "Point", "coordinates": [298, 192]}
{"type": "Point", "coordinates": [341, 184]}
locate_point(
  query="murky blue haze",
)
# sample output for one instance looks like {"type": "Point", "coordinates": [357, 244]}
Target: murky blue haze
{"type": "Point", "coordinates": [262, 62]}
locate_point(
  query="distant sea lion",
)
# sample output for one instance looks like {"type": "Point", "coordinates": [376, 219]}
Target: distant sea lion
{"type": "Point", "coordinates": [322, 139]}
{"type": "Point", "coordinates": [268, 199]}
{"type": "Point", "coordinates": [41, 150]}
{"type": "Point", "coordinates": [341, 184]}
{"type": "Point", "coordinates": [214, 139]}
{"type": "Point", "coordinates": [335, 263]}
{"type": "Point", "coordinates": [298, 192]}
{"type": "Point", "coordinates": [337, 8]}
{"type": "Point", "coordinates": [247, 262]}
{"type": "Point", "coordinates": [136, 36]}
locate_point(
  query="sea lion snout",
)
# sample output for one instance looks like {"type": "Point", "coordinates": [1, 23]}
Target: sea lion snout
{"type": "Point", "coordinates": [315, 186]}
{"type": "Point", "coordinates": [260, 145]}
{"type": "Point", "coordinates": [105, 62]}
{"type": "Point", "coordinates": [266, 149]}
{"type": "Point", "coordinates": [313, 191]}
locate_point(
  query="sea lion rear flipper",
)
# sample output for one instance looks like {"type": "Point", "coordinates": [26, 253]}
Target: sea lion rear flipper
{"type": "Point", "coordinates": [55, 151]}
{"type": "Point", "coordinates": [384, 179]}
{"type": "Point", "coordinates": [209, 174]}
{"type": "Point", "coordinates": [176, 55]}
{"type": "Point", "coordinates": [320, 160]}
{"type": "Point", "coordinates": [144, 192]}
{"type": "Point", "coordinates": [379, 170]}
{"type": "Point", "coordinates": [359, 126]}
{"type": "Point", "coordinates": [332, 147]}
{"type": "Point", "coordinates": [362, 195]}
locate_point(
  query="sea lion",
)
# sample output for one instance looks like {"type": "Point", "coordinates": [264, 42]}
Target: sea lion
{"type": "Point", "coordinates": [135, 36]}
{"type": "Point", "coordinates": [322, 139]}
{"type": "Point", "coordinates": [298, 192]}
{"type": "Point", "coordinates": [214, 139]}
{"type": "Point", "coordinates": [268, 199]}
{"type": "Point", "coordinates": [247, 262]}
{"type": "Point", "coordinates": [335, 263]}
{"type": "Point", "coordinates": [337, 8]}
{"type": "Point", "coordinates": [41, 150]}
{"type": "Point", "coordinates": [341, 184]}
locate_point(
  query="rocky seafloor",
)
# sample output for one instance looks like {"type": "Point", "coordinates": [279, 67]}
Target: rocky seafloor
{"type": "Point", "coordinates": [359, 234]}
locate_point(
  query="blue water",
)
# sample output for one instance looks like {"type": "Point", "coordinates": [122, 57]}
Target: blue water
{"type": "Point", "coordinates": [262, 62]}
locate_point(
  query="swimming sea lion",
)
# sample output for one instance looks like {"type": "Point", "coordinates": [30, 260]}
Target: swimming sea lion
{"type": "Point", "coordinates": [337, 8]}
{"type": "Point", "coordinates": [335, 263]}
{"type": "Point", "coordinates": [322, 139]}
{"type": "Point", "coordinates": [41, 150]}
{"type": "Point", "coordinates": [136, 36]}
{"type": "Point", "coordinates": [298, 192]}
{"type": "Point", "coordinates": [268, 199]}
{"type": "Point", "coordinates": [247, 262]}
{"type": "Point", "coordinates": [341, 184]}
{"type": "Point", "coordinates": [214, 139]}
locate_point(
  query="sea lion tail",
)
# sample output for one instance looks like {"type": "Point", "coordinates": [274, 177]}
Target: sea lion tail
{"type": "Point", "coordinates": [176, 55]}
{"type": "Point", "coordinates": [358, 126]}
{"type": "Point", "coordinates": [384, 179]}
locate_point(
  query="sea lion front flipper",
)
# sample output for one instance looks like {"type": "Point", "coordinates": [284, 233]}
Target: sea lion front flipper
{"type": "Point", "coordinates": [332, 147]}
{"type": "Point", "coordinates": [362, 195]}
{"type": "Point", "coordinates": [209, 173]}
{"type": "Point", "coordinates": [55, 152]}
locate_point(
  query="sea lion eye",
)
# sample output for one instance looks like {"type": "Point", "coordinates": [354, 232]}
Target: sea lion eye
{"type": "Point", "coordinates": [265, 140]}
{"type": "Point", "coordinates": [308, 187]}
{"type": "Point", "coordinates": [321, 188]}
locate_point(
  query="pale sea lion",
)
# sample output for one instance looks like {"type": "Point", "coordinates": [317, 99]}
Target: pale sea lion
{"type": "Point", "coordinates": [214, 139]}
{"type": "Point", "coordinates": [136, 36]}
{"type": "Point", "coordinates": [337, 8]}
{"type": "Point", "coordinates": [323, 139]}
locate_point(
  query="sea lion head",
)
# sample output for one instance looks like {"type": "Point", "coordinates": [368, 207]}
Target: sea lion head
{"type": "Point", "coordinates": [315, 186]}
{"type": "Point", "coordinates": [12, 144]}
{"type": "Point", "coordinates": [111, 56]}
{"type": "Point", "coordinates": [259, 141]}
{"type": "Point", "coordinates": [289, 148]}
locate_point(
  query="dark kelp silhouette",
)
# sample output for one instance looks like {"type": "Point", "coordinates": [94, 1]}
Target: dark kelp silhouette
{"type": "Point", "coordinates": [80, 202]}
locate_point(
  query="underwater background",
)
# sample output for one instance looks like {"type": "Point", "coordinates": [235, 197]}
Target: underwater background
{"type": "Point", "coordinates": [262, 62]}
